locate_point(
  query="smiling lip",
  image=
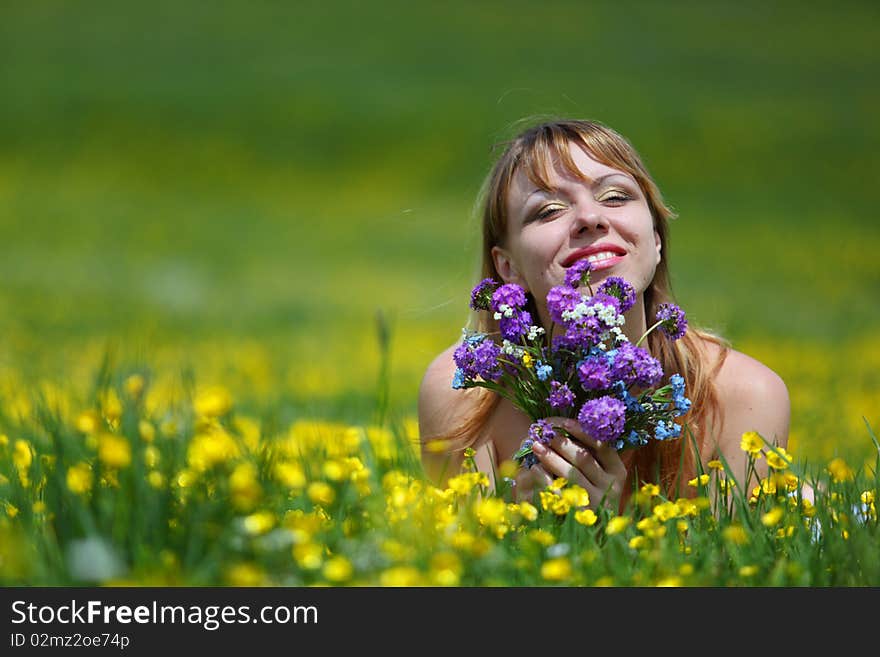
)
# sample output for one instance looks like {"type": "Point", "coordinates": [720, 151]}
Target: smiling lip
{"type": "Point", "coordinates": [597, 249]}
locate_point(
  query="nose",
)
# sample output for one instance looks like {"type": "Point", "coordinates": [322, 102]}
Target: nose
{"type": "Point", "coordinates": [588, 220]}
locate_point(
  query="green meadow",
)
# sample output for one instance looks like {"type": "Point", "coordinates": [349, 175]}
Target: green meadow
{"type": "Point", "coordinates": [251, 194]}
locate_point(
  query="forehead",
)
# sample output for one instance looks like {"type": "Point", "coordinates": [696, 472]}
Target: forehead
{"type": "Point", "coordinates": [551, 171]}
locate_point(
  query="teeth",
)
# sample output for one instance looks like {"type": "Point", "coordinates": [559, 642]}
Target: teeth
{"type": "Point", "coordinates": [604, 255]}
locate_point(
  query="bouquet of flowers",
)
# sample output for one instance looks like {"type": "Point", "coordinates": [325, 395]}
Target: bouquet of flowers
{"type": "Point", "coordinates": [589, 370]}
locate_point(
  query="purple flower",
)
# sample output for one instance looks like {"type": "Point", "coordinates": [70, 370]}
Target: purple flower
{"type": "Point", "coordinates": [514, 327]}
{"type": "Point", "coordinates": [649, 371]}
{"type": "Point", "coordinates": [481, 295]}
{"type": "Point", "coordinates": [635, 365]}
{"type": "Point", "coordinates": [561, 395]}
{"type": "Point", "coordinates": [674, 323]}
{"type": "Point", "coordinates": [578, 274]}
{"type": "Point", "coordinates": [510, 295]}
{"type": "Point", "coordinates": [603, 419]}
{"type": "Point", "coordinates": [560, 299]}
{"type": "Point", "coordinates": [542, 432]}
{"type": "Point", "coordinates": [621, 290]}
{"type": "Point", "coordinates": [477, 359]}
{"type": "Point", "coordinates": [486, 360]}
{"type": "Point", "coordinates": [601, 302]}
{"type": "Point", "coordinates": [582, 336]}
{"type": "Point", "coordinates": [594, 373]}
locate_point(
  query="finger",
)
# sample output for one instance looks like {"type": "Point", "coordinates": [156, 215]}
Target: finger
{"type": "Point", "coordinates": [556, 465]}
{"type": "Point", "coordinates": [580, 457]}
{"type": "Point", "coordinates": [609, 458]}
{"type": "Point", "coordinates": [604, 453]}
{"type": "Point", "coordinates": [529, 480]}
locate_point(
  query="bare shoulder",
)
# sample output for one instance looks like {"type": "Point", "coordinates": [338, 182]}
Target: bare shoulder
{"type": "Point", "coordinates": [746, 384]}
{"type": "Point", "coordinates": [752, 397]}
{"type": "Point", "coordinates": [441, 411]}
{"type": "Point", "coordinates": [436, 398]}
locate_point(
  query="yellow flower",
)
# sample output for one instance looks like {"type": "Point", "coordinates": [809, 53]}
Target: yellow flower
{"type": "Point", "coordinates": [214, 401]}
{"type": "Point", "coordinates": [702, 480]}
{"type": "Point", "coordinates": [527, 360]}
{"type": "Point", "coordinates": [290, 474]}
{"type": "Point", "coordinates": [586, 517]}
{"type": "Point", "coordinates": [490, 511]}
{"type": "Point", "coordinates": [210, 448]}
{"type": "Point", "coordinates": [156, 479]}
{"type": "Point", "coordinates": [245, 574]}
{"type": "Point", "coordinates": [637, 542]}
{"type": "Point", "coordinates": [542, 537]}
{"type": "Point", "coordinates": [778, 458]}
{"type": "Point", "coordinates": [88, 422]}
{"type": "Point", "coordinates": [752, 443]}
{"type": "Point", "coordinates": [735, 534]}
{"type": "Point", "coordinates": [79, 478]}
{"type": "Point", "coordinates": [617, 524]}
{"type": "Point", "coordinates": [401, 576]}
{"type": "Point", "coordinates": [186, 478]}
{"type": "Point", "coordinates": [772, 517]}
{"type": "Point", "coordinates": [553, 501]}
{"type": "Point", "coordinates": [308, 555]}
{"type": "Point", "coordinates": [338, 569]}
{"type": "Point", "coordinates": [576, 496]}
{"type": "Point", "coordinates": [715, 464]}
{"type": "Point", "coordinates": [558, 484]}
{"type": "Point", "coordinates": [147, 431]}
{"type": "Point", "coordinates": [748, 571]}
{"type": "Point", "coordinates": [111, 405]}
{"type": "Point", "coordinates": [464, 483]}
{"type": "Point", "coordinates": [527, 511]}
{"type": "Point", "coordinates": [22, 455]}
{"type": "Point", "coordinates": [508, 468]}
{"type": "Point", "coordinates": [667, 511]}
{"type": "Point", "coordinates": [669, 582]}
{"type": "Point", "coordinates": [446, 569]}
{"type": "Point", "coordinates": [244, 487]}
{"type": "Point", "coordinates": [651, 527]}
{"type": "Point", "coordinates": [867, 497]}
{"type": "Point", "coordinates": [556, 570]}
{"type": "Point", "coordinates": [840, 471]}
{"type": "Point", "coordinates": [11, 509]}
{"type": "Point", "coordinates": [134, 385]}
{"type": "Point", "coordinates": [437, 446]}
{"type": "Point", "coordinates": [259, 523]}
{"type": "Point", "coordinates": [114, 451]}
{"type": "Point", "coordinates": [320, 492]}
{"type": "Point", "coordinates": [151, 456]}
{"type": "Point", "coordinates": [650, 490]}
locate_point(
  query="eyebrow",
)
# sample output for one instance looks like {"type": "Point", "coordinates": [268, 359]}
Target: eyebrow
{"type": "Point", "coordinates": [594, 183]}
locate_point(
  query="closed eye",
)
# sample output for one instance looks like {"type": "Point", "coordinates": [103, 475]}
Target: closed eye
{"type": "Point", "coordinates": [548, 211]}
{"type": "Point", "coordinates": [615, 196]}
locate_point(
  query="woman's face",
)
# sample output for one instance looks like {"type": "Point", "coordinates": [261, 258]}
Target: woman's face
{"type": "Point", "coordinates": [604, 217]}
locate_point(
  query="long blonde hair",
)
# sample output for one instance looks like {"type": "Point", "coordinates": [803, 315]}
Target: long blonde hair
{"type": "Point", "coordinates": [536, 151]}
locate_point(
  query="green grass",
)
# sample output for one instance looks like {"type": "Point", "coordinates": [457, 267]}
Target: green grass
{"type": "Point", "coordinates": [239, 189]}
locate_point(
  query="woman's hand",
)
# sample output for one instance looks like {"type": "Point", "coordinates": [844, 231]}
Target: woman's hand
{"type": "Point", "coordinates": [593, 465]}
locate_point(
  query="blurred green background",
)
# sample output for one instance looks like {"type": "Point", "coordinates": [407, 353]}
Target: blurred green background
{"type": "Point", "coordinates": [242, 186]}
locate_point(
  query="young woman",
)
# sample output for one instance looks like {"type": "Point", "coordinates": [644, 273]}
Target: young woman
{"type": "Point", "coordinates": [560, 192]}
